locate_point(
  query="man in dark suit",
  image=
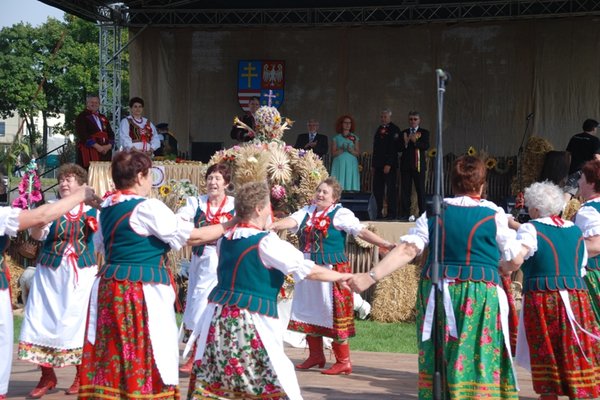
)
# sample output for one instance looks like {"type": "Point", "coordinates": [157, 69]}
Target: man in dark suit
{"type": "Point", "coordinates": [313, 140]}
{"type": "Point", "coordinates": [94, 136]}
{"type": "Point", "coordinates": [384, 165]}
{"type": "Point", "coordinates": [414, 143]}
{"type": "Point", "coordinates": [241, 134]}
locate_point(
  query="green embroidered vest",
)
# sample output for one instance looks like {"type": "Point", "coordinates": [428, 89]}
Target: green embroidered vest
{"type": "Point", "coordinates": [243, 280]}
{"type": "Point", "coordinates": [556, 264]}
{"type": "Point", "coordinates": [323, 249]}
{"type": "Point", "coordinates": [468, 250]}
{"type": "Point", "coordinates": [64, 232]}
{"type": "Point", "coordinates": [4, 282]}
{"type": "Point", "coordinates": [200, 220]}
{"type": "Point", "coordinates": [593, 262]}
{"type": "Point", "coordinates": [130, 256]}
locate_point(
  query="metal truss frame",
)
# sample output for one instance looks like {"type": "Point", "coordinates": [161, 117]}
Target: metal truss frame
{"type": "Point", "coordinates": [110, 50]}
{"type": "Point", "coordinates": [409, 13]}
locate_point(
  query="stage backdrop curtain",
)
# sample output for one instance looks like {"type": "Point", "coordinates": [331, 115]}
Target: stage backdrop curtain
{"type": "Point", "coordinates": [501, 71]}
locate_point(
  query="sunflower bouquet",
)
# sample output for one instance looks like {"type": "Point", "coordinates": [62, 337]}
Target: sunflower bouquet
{"type": "Point", "coordinates": [174, 192]}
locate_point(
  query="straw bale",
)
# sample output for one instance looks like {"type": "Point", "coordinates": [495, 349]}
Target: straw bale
{"type": "Point", "coordinates": [396, 296]}
{"type": "Point", "coordinates": [532, 162]}
{"type": "Point", "coordinates": [15, 271]}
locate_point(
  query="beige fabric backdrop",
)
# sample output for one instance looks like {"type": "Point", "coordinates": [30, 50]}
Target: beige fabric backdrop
{"type": "Point", "coordinates": [501, 71]}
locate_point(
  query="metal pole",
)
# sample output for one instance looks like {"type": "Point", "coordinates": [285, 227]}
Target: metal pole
{"type": "Point", "coordinates": [439, 376]}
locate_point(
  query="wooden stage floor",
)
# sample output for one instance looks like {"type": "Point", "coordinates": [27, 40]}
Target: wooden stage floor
{"type": "Point", "coordinates": [375, 375]}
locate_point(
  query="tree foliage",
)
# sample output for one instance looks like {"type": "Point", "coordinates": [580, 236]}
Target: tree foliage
{"type": "Point", "coordinates": [49, 69]}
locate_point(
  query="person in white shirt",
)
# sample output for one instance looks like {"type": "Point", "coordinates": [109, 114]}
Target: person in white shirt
{"type": "Point", "coordinates": [136, 131]}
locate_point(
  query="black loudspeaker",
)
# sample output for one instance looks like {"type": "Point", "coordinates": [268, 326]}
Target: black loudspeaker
{"type": "Point", "coordinates": [363, 205]}
{"type": "Point", "coordinates": [203, 151]}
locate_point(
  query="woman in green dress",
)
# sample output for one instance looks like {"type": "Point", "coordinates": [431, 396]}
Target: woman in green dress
{"type": "Point", "coordinates": [345, 150]}
{"type": "Point", "coordinates": [475, 236]}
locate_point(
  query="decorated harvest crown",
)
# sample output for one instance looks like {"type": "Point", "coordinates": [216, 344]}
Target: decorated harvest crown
{"type": "Point", "coordinates": [268, 124]}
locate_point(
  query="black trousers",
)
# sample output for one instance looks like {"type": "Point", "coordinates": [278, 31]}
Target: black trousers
{"type": "Point", "coordinates": [385, 184]}
{"type": "Point", "coordinates": [407, 178]}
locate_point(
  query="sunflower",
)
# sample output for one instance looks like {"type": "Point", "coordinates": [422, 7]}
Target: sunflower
{"type": "Point", "coordinates": [165, 190]}
{"type": "Point", "coordinates": [472, 151]}
{"type": "Point", "coordinates": [490, 163]}
{"type": "Point", "coordinates": [432, 152]}
{"type": "Point", "coordinates": [279, 167]}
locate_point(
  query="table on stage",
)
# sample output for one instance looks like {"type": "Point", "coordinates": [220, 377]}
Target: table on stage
{"type": "Point", "coordinates": [99, 174]}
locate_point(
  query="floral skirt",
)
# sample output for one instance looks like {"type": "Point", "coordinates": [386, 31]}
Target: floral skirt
{"type": "Point", "coordinates": [343, 313]}
{"type": "Point", "coordinates": [592, 280]}
{"type": "Point", "coordinates": [235, 364]}
{"type": "Point", "coordinates": [558, 362]}
{"type": "Point", "coordinates": [120, 364]}
{"type": "Point", "coordinates": [49, 356]}
{"type": "Point", "coordinates": [513, 314]}
{"type": "Point", "coordinates": [477, 363]}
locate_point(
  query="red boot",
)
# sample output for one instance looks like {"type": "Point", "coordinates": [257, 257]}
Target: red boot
{"type": "Point", "coordinates": [315, 353]}
{"type": "Point", "coordinates": [74, 388]}
{"type": "Point", "coordinates": [46, 383]}
{"type": "Point", "coordinates": [189, 364]}
{"type": "Point", "coordinates": [342, 360]}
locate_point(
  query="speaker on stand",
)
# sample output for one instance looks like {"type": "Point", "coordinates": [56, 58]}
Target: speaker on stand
{"type": "Point", "coordinates": [362, 204]}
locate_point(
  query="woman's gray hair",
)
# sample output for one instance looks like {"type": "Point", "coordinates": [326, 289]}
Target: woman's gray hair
{"type": "Point", "coordinates": [546, 197]}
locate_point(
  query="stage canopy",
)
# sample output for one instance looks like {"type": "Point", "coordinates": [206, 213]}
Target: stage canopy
{"type": "Point", "coordinates": [508, 59]}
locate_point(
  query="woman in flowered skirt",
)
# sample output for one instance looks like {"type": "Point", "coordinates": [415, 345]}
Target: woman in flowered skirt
{"type": "Point", "coordinates": [240, 338]}
{"type": "Point", "coordinates": [476, 342]}
{"type": "Point", "coordinates": [131, 348]}
{"type": "Point", "coordinates": [560, 340]}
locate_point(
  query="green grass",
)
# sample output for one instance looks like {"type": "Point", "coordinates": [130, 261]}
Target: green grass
{"type": "Point", "coordinates": [370, 336]}
{"type": "Point", "coordinates": [385, 337]}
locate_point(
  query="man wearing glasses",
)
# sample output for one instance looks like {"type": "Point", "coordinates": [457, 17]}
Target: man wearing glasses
{"type": "Point", "coordinates": [413, 149]}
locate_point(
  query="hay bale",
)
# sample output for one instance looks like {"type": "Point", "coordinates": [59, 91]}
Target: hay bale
{"type": "Point", "coordinates": [395, 296]}
{"type": "Point", "coordinates": [532, 163]}
{"type": "Point", "coordinates": [15, 271]}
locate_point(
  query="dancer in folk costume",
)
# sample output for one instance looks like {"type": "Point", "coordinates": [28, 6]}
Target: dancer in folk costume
{"type": "Point", "coordinates": [13, 220]}
{"type": "Point", "coordinates": [56, 310]}
{"type": "Point", "coordinates": [213, 208]}
{"type": "Point", "coordinates": [240, 340]}
{"type": "Point", "coordinates": [475, 235]}
{"type": "Point", "coordinates": [558, 334]}
{"type": "Point", "coordinates": [326, 309]}
{"type": "Point", "coordinates": [131, 347]}
{"type": "Point", "coordinates": [588, 220]}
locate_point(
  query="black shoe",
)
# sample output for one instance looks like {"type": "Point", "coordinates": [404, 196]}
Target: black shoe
{"type": "Point", "coordinates": [403, 219]}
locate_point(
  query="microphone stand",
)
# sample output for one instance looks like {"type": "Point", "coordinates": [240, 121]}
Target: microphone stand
{"type": "Point", "coordinates": [438, 331]}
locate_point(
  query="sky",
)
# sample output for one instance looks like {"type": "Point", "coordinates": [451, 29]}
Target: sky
{"type": "Point", "coordinates": [31, 11]}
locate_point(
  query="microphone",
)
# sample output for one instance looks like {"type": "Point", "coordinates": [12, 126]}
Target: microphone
{"type": "Point", "coordinates": [443, 75]}
{"type": "Point", "coordinates": [529, 116]}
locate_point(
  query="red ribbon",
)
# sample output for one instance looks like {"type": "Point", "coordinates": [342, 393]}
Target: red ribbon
{"type": "Point", "coordinates": [558, 221]}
